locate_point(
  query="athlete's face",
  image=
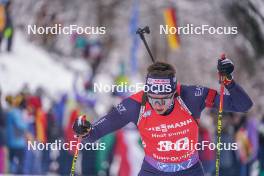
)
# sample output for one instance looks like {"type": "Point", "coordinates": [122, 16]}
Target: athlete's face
{"type": "Point", "coordinates": [160, 103]}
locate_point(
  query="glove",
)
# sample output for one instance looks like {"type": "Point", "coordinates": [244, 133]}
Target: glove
{"type": "Point", "coordinates": [225, 69]}
{"type": "Point", "coordinates": [81, 126]}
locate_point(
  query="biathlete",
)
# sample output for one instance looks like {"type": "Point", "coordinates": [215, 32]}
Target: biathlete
{"type": "Point", "coordinates": [167, 119]}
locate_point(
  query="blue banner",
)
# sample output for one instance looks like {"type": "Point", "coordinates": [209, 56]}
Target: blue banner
{"type": "Point", "coordinates": [135, 38]}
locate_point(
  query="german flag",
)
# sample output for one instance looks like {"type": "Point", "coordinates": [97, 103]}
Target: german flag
{"type": "Point", "coordinates": [170, 20]}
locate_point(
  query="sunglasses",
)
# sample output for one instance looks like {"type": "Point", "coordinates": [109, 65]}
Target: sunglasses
{"type": "Point", "coordinates": [160, 101]}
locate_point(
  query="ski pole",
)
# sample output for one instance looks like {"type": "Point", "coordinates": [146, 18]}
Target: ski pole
{"type": "Point", "coordinates": [76, 153]}
{"type": "Point", "coordinates": [219, 120]}
{"type": "Point", "coordinates": [75, 157]}
{"type": "Point", "coordinates": [141, 34]}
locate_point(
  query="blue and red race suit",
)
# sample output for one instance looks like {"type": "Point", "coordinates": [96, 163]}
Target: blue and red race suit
{"type": "Point", "coordinates": [160, 133]}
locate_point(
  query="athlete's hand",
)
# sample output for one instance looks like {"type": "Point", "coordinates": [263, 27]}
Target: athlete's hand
{"type": "Point", "coordinates": [81, 126]}
{"type": "Point", "coordinates": [225, 69]}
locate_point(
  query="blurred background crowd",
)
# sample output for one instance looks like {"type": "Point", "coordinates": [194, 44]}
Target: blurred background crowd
{"type": "Point", "coordinates": [46, 81]}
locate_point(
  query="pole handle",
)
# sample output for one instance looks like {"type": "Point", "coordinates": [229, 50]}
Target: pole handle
{"type": "Point", "coordinates": [141, 32]}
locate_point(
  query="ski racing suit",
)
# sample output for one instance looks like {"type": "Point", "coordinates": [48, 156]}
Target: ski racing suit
{"type": "Point", "coordinates": [161, 133]}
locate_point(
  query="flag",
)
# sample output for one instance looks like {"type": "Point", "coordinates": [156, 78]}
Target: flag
{"type": "Point", "coordinates": [104, 157]}
{"type": "Point", "coordinates": [135, 39]}
{"type": "Point", "coordinates": [2, 17]}
{"type": "Point", "coordinates": [170, 21]}
{"type": "Point", "coordinates": [41, 126]}
{"type": "Point", "coordinates": [128, 152]}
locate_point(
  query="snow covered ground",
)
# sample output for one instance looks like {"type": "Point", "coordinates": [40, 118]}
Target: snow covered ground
{"type": "Point", "coordinates": [32, 65]}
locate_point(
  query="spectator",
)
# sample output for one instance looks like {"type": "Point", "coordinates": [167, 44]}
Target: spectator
{"type": "Point", "coordinates": [16, 131]}
{"type": "Point", "coordinates": [9, 28]}
{"type": "Point", "coordinates": [31, 165]}
{"type": "Point", "coordinates": [207, 156]}
{"type": "Point", "coordinates": [6, 24]}
{"type": "Point", "coordinates": [261, 146]}
{"type": "Point", "coordinates": [39, 129]}
{"type": "Point", "coordinates": [247, 139]}
{"type": "Point", "coordinates": [228, 159]}
{"type": "Point", "coordinates": [2, 21]}
{"type": "Point", "coordinates": [2, 137]}
{"type": "Point", "coordinates": [65, 158]}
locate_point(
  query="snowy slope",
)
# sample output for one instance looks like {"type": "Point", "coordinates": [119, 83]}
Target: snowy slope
{"type": "Point", "coordinates": [32, 65]}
